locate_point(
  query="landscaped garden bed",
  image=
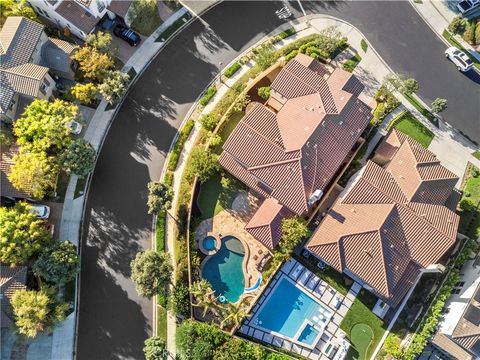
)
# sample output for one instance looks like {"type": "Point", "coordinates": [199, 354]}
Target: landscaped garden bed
{"type": "Point", "coordinates": [409, 125]}
{"type": "Point", "coordinates": [174, 27]}
{"type": "Point", "coordinates": [470, 203]}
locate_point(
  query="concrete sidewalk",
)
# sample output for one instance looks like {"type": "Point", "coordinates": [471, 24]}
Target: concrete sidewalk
{"type": "Point", "coordinates": [63, 341]}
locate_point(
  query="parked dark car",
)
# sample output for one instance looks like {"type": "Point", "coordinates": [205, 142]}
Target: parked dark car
{"type": "Point", "coordinates": [127, 34]}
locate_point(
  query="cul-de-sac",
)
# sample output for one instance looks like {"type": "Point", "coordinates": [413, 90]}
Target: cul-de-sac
{"type": "Point", "coordinates": [240, 180]}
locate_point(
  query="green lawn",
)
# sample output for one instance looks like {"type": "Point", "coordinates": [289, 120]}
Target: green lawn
{"type": "Point", "coordinates": [470, 220]}
{"type": "Point", "coordinates": [455, 43]}
{"type": "Point", "coordinates": [421, 108]}
{"type": "Point", "coordinates": [409, 125]}
{"type": "Point", "coordinates": [476, 155]}
{"type": "Point", "coordinates": [144, 17]}
{"type": "Point", "coordinates": [361, 336]}
{"type": "Point", "coordinates": [360, 313]}
{"type": "Point", "coordinates": [213, 197]}
{"type": "Point", "coordinates": [161, 322]}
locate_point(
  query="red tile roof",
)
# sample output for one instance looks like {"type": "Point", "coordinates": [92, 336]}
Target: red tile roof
{"type": "Point", "coordinates": [266, 223]}
{"type": "Point", "coordinates": [288, 155]}
{"type": "Point", "coordinates": [381, 234]}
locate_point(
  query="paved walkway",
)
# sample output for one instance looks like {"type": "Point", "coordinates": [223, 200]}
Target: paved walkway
{"type": "Point", "coordinates": [63, 341]}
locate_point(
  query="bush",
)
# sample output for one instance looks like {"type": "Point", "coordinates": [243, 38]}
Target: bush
{"type": "Point", "coordinates": [477, 34]}
{"type": "Point", "coordinates": [180, 300]}
{"type": "Point", "coordinates": [264, 92]}
{"type": "Point", "coordinates": [283, 35]}
{"type": "Point", "coordinates": [209, 94]}
{"type": "Point", "coordinates": [467, 204]}
{"type": "Point", "coordinates": [265, 55]}
{"type": "Point", "coordinates": [232, 69]}
{"type": "Point", "coordinates": [458, 25]}
{"type": "Point", "coordinates": [203, 163]}
{"type": "Point", "coordinates": [291, 55]}
{"type": "Point", "coordinates": [155, 349]}
{"type": "Point", "coordinates": [469, 34]}
{"type": "Point", "coordinates": [177, 148]}
{"type": "Point", "coordinates": [364, 45]}
{"type": "Point", "coordinates": [209, 121]}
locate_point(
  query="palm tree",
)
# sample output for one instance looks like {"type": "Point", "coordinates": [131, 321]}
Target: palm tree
{"type": "Point", "coordinates": [205, 296]}
{"type": "Point", "coordinates": [235, 313]}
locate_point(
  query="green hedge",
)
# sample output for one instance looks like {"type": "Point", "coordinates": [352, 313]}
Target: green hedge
{"type": "Point", "coordinates": [364, 45]}
{"type": "Point", "coordinates": [283, 35]}
{"type": "Point", "coordinates": [352, 63]}
{"type": "Point", "coordinates": [160, 231]}
{"type": "Point", "coordinates": [174, 27]}
{"type": "Point", "coordinates": [209, 94]}
{"type": "Point", "coordinates": [177, 148]}
{"type": "Point", "coordinates": [232, 69]}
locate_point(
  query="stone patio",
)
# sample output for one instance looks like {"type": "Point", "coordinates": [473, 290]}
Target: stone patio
{"type": "Point", "coordinates": [232, 222]}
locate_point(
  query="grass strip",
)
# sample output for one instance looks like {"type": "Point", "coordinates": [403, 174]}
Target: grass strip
{"type": "Point", "coordinates": [174, 27]}
{"type": "Point", "coordinates": [454, 42]}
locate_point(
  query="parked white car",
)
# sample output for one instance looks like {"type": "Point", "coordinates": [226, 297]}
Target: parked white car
{"type": "Point", "coordinates": [459, 58]}
{"type": "Point", "coordinates": [42, 211]}
{"type": "Point", "coordinates": [75, 127]}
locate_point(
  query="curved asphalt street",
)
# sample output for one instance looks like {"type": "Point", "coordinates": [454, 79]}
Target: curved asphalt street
{"type": "Point", "coordinates": [113, 320]}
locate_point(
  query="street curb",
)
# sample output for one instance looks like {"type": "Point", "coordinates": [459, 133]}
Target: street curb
{"type": "Point", "coordinates": [428, 23]}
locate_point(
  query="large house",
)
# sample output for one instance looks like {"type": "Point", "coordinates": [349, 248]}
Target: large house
{"type": "Point", "coordinates": [28, 61]}
{"type": "Point", "coordinates": [290, 149]}
{"type": "Point", "coordinates": [12, 279]}
{"type": "Point", "coordinates": [81, 16]}
{"type": "Point", "coordinates": [390, 224]}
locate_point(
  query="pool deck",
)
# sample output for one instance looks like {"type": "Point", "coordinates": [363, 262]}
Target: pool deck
{"type": "Point", "coordinates": [231, 222]}
{"type": "Point", "coordinates": [318, 290]}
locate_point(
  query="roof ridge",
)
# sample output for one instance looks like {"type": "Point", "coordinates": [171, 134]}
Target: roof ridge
{"type": "Point", "coordinates": [424, 218]}
{"type": "Point", "coordinates": [9, 70]}
{"type": "Point", "coordinates": [257, 167]}
{"type": "Point", "coordinates": [376, 187]}
{"type": "Point", "coordinates": [259, 133]}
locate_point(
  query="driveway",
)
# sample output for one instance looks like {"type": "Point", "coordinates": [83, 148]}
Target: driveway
{"type": "Point", "coordinates": [113, 319]}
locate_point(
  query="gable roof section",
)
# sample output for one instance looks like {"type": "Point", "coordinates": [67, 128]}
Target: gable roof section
{"type": "Point", "coordinates": [381, 237]}
{"type": "Point", "coordinates": [77, 15]}
{"type": "Point", "coordinates": [266, 223]}
{"type": "Point", "coordinates": [287, 155]}
{"type": "Point", "coordinates": [56, 54]}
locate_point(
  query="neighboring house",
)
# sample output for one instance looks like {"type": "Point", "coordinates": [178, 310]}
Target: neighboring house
{"type": "Point", "coordinates": [458, 335]}
{"type": "Point", "coordinates": [12, 279]}
{"type": "Point", "coordinates": [290, 150]}
{"type": "Point", "coordinates": [390, 224]}
{"type": "Point", "coordinates": [80, 16]}
{"type": "Point", "coordinates": [28, 60]}
{"type": "Point", "coordinates": [7, 189]}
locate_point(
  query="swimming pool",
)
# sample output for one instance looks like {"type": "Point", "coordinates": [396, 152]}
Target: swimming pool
{"type": "Point", "coordinates": [224, 269]}
{"type": "Point", "coordinates": [291, 312]}
{"type": "Point", "coordinates": [209, 243]}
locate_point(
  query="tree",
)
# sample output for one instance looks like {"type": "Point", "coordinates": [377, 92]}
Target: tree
{"type": "Point", "coordinates": [93, 63]}
{"type": "Point", "coordinates": [209, 121]}
{"type": "Point", "coordinates": [43, 127]}
{"type": "Point", "coordinates": [37, 311]}
{"type": "Point", "coordinates": [293, 231]}
{"type": "Point", "coordinates": [180, 300]}
{"type": "Point", "coordinates": [237, 349]}
{"type": "Point", "coordinates": [410, 86]}
{"type": "Point", "coordinates": [114, 86]}
{"type": "Point", "coordinates": [33, 173]}
{"type": "Point", "coordinates": [234, 313]}
{"type": "Point", "coordinates": [22, 234]}
{"type": "Point", "coordinates": [458, 25]}
{"type": "Point", "coordinates": [155, 349]}
{"type": "Point", "coordinates": [264, 92]}
{"type": "Point", "coordinates": [85, 93]}
{"type": "Point", "coordinates": [329, 39]}
{"type": "Point", "coordinates": [197, 341]}
{"type": "Point", "coordinates": [159, 197]}
{"type": "Point", "coordinates": [203, 163]}
{"type": "Point", "coordinates": [151, 273]}
{"type": "Point", "coordinates": [438, 105]}
{"type": "Point", "coordinates": [78, 158]}
{"type": "Point", "coordinates": [58, 264]}
{"type": "Point", "coordinates": [99, 40]}
{"type": "Point", "coordinates": [14, 8]}
{"type": "Point", "coordinates": [392, 347]}
{"type": "Point", "coordinates": [204, 295]}
{"type": "Point", "coordinates": [265, 55]}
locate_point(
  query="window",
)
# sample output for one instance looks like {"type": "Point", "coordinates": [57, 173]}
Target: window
{"type": "Point", "coordinates": [456, 291]}
{"type": "Point", "coordinates": [43, 88]}
{"type": "Point", "coordinates": [12, 104]}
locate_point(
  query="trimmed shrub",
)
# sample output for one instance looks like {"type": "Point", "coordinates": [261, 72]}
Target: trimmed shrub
{"type": "Point", "coordinates": [477, 34]}
{"type": "Point", "coordinates": [283, 35]}
{"type": "Point", "coordinates": [177, 148]}
{"type": "Point", "coordinates": [232, 69]}
{"type": "Point", "coordinates": [469, 34]}
{"type": "Point", "coordinates": [264, 92]}
{"type": "Point", "coordinates": [209, 94]}
{"type": "Point", "coordinates": [467, 204]}
{"type": "Point", "coordinates": [209, 121]}
{"type": "Point", "coordinates": [364, 45]}
{"type": "Point", "coordinates": [458, 25]}
{"type": "Point", "coordinates": [291, 55]}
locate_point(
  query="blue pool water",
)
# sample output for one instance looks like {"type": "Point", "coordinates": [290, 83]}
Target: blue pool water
{"type": "Point", "coordinates": [209, 243]}
{"type": "Point", "coordinates": [308, 335]}
{"type": "Point", "coordinates": [286, 309]}
{"type": "Point", "coordinates": [224, 269]}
